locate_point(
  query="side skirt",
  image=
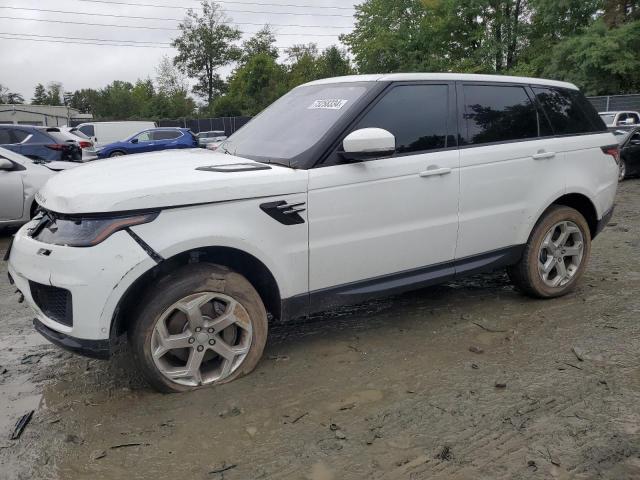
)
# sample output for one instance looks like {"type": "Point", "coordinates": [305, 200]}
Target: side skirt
{"type": "Point", "coordinates": [396, 283]}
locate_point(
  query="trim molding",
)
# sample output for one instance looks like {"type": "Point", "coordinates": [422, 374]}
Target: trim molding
{"type": "Point", "coordinates": [393, 284]}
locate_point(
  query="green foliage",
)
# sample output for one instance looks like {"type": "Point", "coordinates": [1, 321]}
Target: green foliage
{"type": "Point", "coordinates": [9, 97]}
{"type": "Point", "coordinates": [591, 42]}
{"type": "Point", "coordinates": [204, 46]}
{"type": "Point", "coordinates": [601, 60]}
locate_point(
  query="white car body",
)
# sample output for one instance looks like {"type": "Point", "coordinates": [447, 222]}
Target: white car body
{"type": "Point", "coordinates": [85, 143]}
{"type": "Point", "coordinates": [361, 229]}
{"type": "Point", "coordinates": [18, 186]}
{"type": "Point", "coordinates": [620, 118]}
{"type": "Point", "coordinates": [103, 133]}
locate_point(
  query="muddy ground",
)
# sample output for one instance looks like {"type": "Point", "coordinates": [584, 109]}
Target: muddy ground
{"type": "Point", "coordinates": [388, 390]}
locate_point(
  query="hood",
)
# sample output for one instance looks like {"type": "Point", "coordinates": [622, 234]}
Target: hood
{"type": "Point", "coordinates": [59, 166]}
{"type": "Point", "coordinates": [165, 179]}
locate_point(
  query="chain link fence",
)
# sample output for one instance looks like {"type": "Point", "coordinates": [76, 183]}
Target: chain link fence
{"type": "Point", "coordinates": [227, 124]}
{"type": "Point", "coordinates": [613, 103]}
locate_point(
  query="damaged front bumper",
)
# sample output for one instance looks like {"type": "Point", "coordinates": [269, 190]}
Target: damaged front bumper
{"type": "Point", "coordinates": [73, 291]}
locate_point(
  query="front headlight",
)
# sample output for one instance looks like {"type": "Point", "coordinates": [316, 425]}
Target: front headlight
{"type": "Point", "coordinates": [72, 231]}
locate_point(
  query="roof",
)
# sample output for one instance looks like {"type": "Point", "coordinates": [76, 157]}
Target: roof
{"type": "Point", "coordinates": [614, 112]}
{"type": "Point", "coordinates": [408, 77]}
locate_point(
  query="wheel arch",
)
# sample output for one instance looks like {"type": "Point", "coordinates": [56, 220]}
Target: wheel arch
{"type": "Point", "coordinates": [582, 204]}
{"type": "Point", "coordinates": [238, 260]}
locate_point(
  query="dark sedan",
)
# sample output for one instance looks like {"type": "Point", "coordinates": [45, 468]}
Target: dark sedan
{"type": "Point", "coordinates": [629, 152]}
{"type": "Point", "coordinates": [45, 144]}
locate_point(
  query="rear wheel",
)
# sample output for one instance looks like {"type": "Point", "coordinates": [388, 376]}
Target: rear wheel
{"type": "Point", "coordinates": [622, 174]}
{"type": "Point", "coordinates": [200, 326]}
{"type": "Point", "coordinates": [555, 256]}
{"type": "Point", "coordinates": [117, 153]}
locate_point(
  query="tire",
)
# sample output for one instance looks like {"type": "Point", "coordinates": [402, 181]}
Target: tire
{"type": "Point", "coordinates": [117, 153]}
{"type": "Point", "coordinates": [541, 253]}
{"type": "Point", "coordinates": [623, 170]}
{"type": "Point", "coordinates": [162, 322]}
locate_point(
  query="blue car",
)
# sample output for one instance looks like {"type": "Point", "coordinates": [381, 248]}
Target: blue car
{"type": "Point", "coordinates": [42, 144]}
{"type": "Point", "coordinates": [151, 141]}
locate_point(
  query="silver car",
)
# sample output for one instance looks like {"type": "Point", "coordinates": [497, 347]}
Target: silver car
{"type": "Point", "coordinates": [215, 136]}
{"type": "Point", "coordinates": [20, 179]}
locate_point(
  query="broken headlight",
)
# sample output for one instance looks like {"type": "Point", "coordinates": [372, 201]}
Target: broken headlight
{"type": "Point", "coordinates": [71, 231]}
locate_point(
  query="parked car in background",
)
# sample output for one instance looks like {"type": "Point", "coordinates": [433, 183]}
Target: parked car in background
{"type": "Point", "coordinates": [84, 142]}
{"type": "Point", "coordinates": [20, 179]}
{"type": "Point", "coordinates": [620, 119]}
{"type": "Point", "coordinates": [46, 144]}
{"type": "Point", "coordinates": [151, 141]}
{"type": "Point", "coordinates": [629, 152]}
{"type": "Point", "coordinates": [214, 136]}
{"type": "Point", "coordinates": [103, 133]}
{"type": "Point", "coordinates": [343, 190]}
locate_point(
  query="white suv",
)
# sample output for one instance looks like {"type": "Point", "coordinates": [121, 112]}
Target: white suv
{"type": "Point", "coordinates": [343, 190]}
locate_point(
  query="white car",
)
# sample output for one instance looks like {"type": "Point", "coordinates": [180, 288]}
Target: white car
{"type": "Point", "coordinates": [84, 142]}
{"type": "Point", "coordinates": [213, 137]}
{"type": "Point", "coordinates": [20, 179]}
{"type": "Point", "coordinates": [620, 119]}
{"type": "Point", "coordinates": [343, 190]}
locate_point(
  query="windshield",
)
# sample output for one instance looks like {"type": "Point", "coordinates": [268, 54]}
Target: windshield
{"type": "Point", "coordinates": [294, 123]}
{"type": "Point", "coordinates": [608, 118]}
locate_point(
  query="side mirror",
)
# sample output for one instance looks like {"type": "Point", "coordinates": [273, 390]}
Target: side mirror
{"type": "Point", "coordinates": [135, 140]}
{"type": "Point", "coordinates": [368, 143]}
{"type": "Point", "coordinates": [5, 164]}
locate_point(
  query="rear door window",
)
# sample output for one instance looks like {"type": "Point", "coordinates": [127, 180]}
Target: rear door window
{"type": "Point", "coordinates": [569, 111]}
{"type": "Point", "coordinates": [166, 135]}
{"type": "Point", "coordinates": [19, 136]}
{"type": "Point", "coordinates": [496, 113]}
{"type": "Point", "coordinates": [88, 130]}
{"type": "Point", "coordinates": [416, 114]}
{"type": "Point", "coordinates": [5, 137]}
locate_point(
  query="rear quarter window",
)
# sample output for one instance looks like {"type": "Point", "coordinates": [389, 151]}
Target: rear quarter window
{"type": "Point", "coordinates": [569, 111]}
{"type": "Point", "coordinates": [88, 130]}
{"type": "Point", "coordinates": [496, 113]}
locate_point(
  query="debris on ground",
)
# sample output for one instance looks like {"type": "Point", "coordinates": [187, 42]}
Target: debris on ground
{"type": "Point", "coordinates": [20, 425]}
{"type": "Point", "coordinates": [500, 384]}
{"type": "Point", "coordinates": [445, 453]}
{"type": "Point", "coordinates": [476, 349]}
{"type": "Point", "coordinates": [98, 454]}
{"type": "Point", "coordinates": [578, 352]}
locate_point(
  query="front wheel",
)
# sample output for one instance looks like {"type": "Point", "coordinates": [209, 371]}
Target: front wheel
{"type": "Point", "coordinates": [117, 153]}
{"type": "Point", "coordinates": [555, 256]}
{"type": "Point", "coordinates": [199, 326]}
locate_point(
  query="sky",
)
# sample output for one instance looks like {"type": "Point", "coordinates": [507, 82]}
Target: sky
{"type": "Point", "coordinates": [28, 62]}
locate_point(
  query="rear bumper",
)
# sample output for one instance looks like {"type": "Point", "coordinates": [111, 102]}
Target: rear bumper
{"type": "Point", "coordinates": [604, 221]}
{"type": "Point", "coordinates": [100, 349]}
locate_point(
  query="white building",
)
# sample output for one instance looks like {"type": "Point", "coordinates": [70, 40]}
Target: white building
{"type": "Point", "coordinates": [45, 115]}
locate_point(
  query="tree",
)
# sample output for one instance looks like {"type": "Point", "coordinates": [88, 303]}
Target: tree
{"type": "Point", "coordinates": [84, 100]}
{"type": "Point", "coordinates": [204, 46]}
{"type": "Point", "coordinates": [10, 98]}
{"type": "Point", "coordinates": [169, 78]}
{"type": "Point", "coordinates": [333, 62]}
{"type": "Point", "coordinates": [255, 85]}
{"type": "Point", "coordinates": [262, 41]}
{"type": "Point", "coordinates": [601, 61]}
{"type": "Point", "coordinates": [54, 94]}
{"type": "Point", "coordinates": [39, 95]}
{"type": "Point", "coordinates": [303, 66]}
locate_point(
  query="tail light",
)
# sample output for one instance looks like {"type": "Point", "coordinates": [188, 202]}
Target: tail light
{"type": "Point", "coordinates": [614, 151]}
{"type": "Point", "coordinates": [57, 146]}
{"type": "Point", "coordinates": [84, 144]}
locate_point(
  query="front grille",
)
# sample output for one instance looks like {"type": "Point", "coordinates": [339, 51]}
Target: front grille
{"type": "Point", "coordinates": [54, 302]}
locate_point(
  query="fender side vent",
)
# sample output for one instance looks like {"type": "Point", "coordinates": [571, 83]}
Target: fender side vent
{"type": "Point", "coordinates": [235, 167]}
{"type": "Point", "coordinates": [285, 213]}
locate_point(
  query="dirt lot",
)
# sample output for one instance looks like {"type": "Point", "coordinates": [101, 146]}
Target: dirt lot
{"type": "Point", "coordinates": [389, 390]}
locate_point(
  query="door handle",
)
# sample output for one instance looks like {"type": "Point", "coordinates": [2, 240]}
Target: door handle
{"type": "Point", "coordinates": [544, 155]}
{"type": "Point", "coordinates": [434, 172]}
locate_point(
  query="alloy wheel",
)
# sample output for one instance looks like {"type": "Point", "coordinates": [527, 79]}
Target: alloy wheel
{"type": "Point", "coordinates": [201, 339]}
{"type": "Point", "coordinates": [561, 254]}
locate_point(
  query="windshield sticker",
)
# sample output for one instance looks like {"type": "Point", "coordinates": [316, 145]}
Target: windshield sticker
{"type": "Point", "coordinates": [328, 104]}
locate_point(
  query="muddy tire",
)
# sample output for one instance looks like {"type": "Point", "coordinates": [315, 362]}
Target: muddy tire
{"type": "Point", "coordinates": [555, 256]}
{"type": "Point", "coordinates": [199, 326]}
